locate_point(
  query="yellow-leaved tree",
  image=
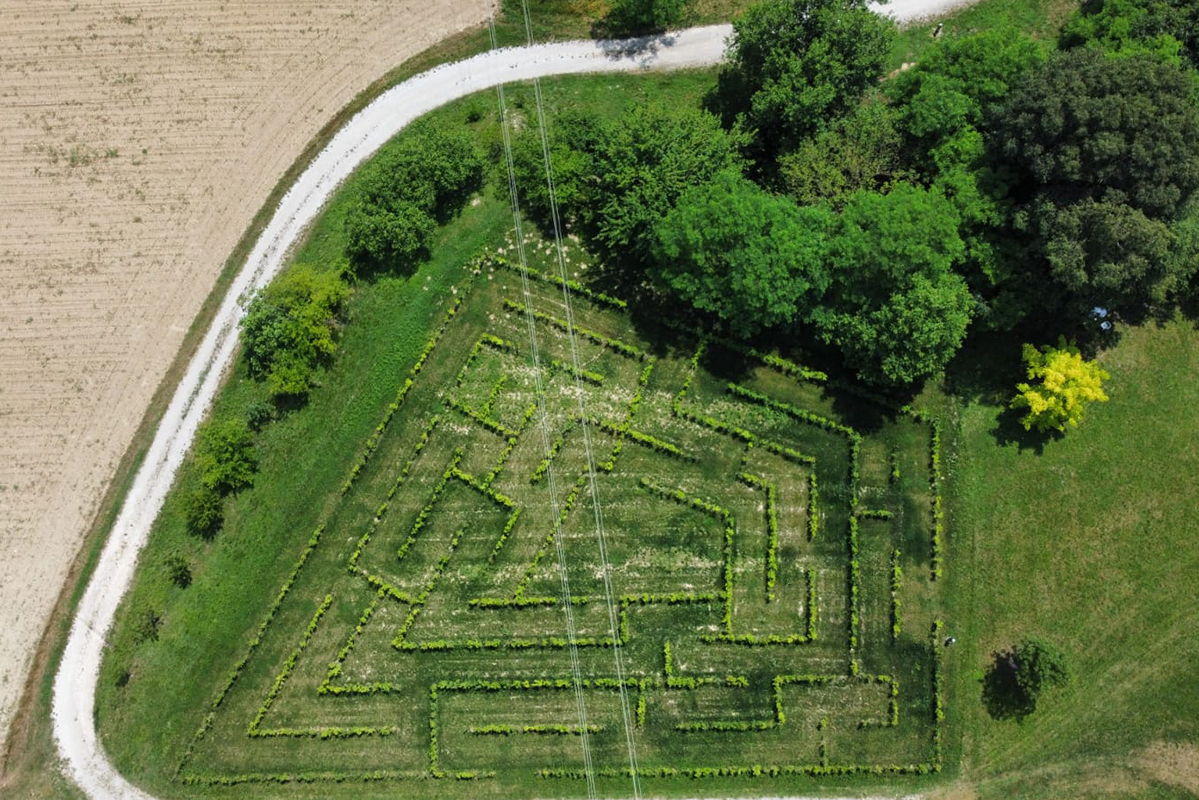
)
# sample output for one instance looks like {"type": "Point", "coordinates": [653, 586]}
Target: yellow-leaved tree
{"type": "Point", "coordinates": [1061, 385]}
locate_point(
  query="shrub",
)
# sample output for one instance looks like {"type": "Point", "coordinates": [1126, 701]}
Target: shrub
{"type": "Point", "coordinates": [389, 238]}
{"type": "Point", "coordinates": [179, 571]}
{"type": "Point", "coordinates": [225, 455]}
{"type": "Point", "coordinates": [259, 415]}
{"type": "Point", "coordinates": [1018, 677]}
{"type": "Point", "coordinates": [291, 328]}
{"type": "Point", "coordinates": [204, 512]}
{"type": "Point", "coordinates": [644, 16]}
{"type": "Point", "coordinates": [406, 191]}
{"type": "Point", "coordinates": [1065, 383]}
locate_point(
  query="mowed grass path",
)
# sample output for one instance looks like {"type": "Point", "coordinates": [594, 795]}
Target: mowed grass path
{"type": "Point", "coordinates": [1093, 544]}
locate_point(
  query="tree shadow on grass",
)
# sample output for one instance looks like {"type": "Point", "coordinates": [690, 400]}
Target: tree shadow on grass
{"type": "Point", "coordinates": [1009, 430]}
{"type": "Point", "coordinates": [1001, 693]}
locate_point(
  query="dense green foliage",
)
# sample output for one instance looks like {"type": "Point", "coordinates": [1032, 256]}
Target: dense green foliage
{"type": "Point", "coordinates": [637, 169]}
{"type": "Point", "coordinates": [1110, 253]}
{"type": "Point", "coordinates": [794, 65]}
{"type": "Point", "coordinates": [290, 328]}
{"type": "Point", "coordinates": [1119, 130]}
{"type": "Point", "coordinates": [861, 150]}
{"type": "Point", "coordinates": [225, 455]}
{"type": "Point", "coordinates": [1062, 385]}
{"type": "Point", "coordinates": [405, 192]}
{"type": "Point", "coordinates": [571, 143]}
{"type": "Point", "coordinates": [751, 258]}
{"type": "Point", "coordinates": [644, 16]}
{"type": "Point", "coordinates": [1106, 152]}
{"type": "Point", "coordinates": [1019, 676]}
{"type": "Point", "coordinates": [204, 511]}
{"type": "Point", "coordinates": [1167, 29]}
{"type": "Point", "coordinates": [896, 308]}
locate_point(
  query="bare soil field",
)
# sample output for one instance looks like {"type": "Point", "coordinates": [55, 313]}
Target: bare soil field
{"type": "Point", "coordinates": [137, 142]}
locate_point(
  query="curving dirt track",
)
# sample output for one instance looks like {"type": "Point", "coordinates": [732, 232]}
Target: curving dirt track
{"type": "Point", "coordinates": [137, 140]}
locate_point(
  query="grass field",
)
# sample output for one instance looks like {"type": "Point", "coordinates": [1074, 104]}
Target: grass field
{"type": "Point", "coordinates": [1090, 543]}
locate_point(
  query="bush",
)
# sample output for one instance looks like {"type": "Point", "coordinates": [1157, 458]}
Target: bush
{"type": "Point", "coordinates": [405, 191]}
{"type": "Point", "coordinates": [1018, 677]}
{"type": "Point", "coordinates": [259, 414]}
{"type": "Point", "coordinates": [1065, 384]}
{"type": "Point", "coordinates": [644, 16]}
{"type": "Point", "coordinates": [179, 571]}
{"type": "Point", "coordinates": [225, 455]}
{"type": "Point", "coordinates": [395, 237]}
{"type": "Point", "coordinates": [204, 512]}
{"type": "Point", "coordinates": [291, 328]}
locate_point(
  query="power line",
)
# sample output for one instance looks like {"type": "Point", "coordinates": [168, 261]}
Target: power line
{"type": "Point", "coordinates": [593, 487]}
{"type": "Point", "coordinates": [543, 419]}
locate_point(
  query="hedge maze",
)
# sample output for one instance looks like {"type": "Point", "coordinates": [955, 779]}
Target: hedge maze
{"type": "Point", "coordinates": [773, 546]}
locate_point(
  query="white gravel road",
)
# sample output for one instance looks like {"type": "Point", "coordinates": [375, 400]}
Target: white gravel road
{"type": "Point", "coordinates": [84, 759]}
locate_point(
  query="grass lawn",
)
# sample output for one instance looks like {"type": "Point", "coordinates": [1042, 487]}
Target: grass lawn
{"type": "Point", "coordinates": [1092, 543]}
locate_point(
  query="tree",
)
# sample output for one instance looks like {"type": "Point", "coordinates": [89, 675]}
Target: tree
{"type": "Point", "coordinates": [644, 16]}
{"type": "Point", "coordinates": [1112, 130]}
{"type": "Point", "coordinates": [290, 328]}
{"type": "Point", "coordinates": [982, 67]}
{"type": "Point", "coordinates": [751, 258]}
{"type": "Point", "coordinates": [895, 308]}
{"type": "Point", "coordinates": [1019, 677]}
{"type": "Point", "coordinates": [405, 191]}
{"type": "Point", "coordinates": [640, 165]}
{"type": "Point", "coordinates": [1062, 385]}
{"type": "Point", "coordinates": [225, 455]}
{"type": "Point", "coordinates": [793, 65]}
{"type": "Point", "coordinates": [941, 108]}
{"type": "Point", "coordinates": [203, 512]}
{"type": "Point", "coordinates": [1166, 29]}
{"type": "Point", "coordinates": [436, 169]}
{"type": "Point", "coordinates": [396, 236]}
{"type": "Point", "coordinates": [1110, 254]}
{"type": "Point", "coordinates": [862, 150]}
{"type": "Point", "coordinates": [572, 138]}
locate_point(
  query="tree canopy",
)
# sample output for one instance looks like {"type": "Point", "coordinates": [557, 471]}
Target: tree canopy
{"type": "Point", "coordinates": [751, 258]}
{"type": "Point", "coordinates": [1112, 130]}
{"type": "Point", "coordinates": [793, 65]}
{"type": "Point", "coordinates": [644, 16]}
{"type": "Point", "coordinates": [1111, 254]}
{"type": "Point", "coordinates": [895, 307]}
{"type": "Point", "coordinates": [405, 192]}
{"type": "Point", "coordinates": [225, 455]}
{"type": "Point", "coordinates": [640, 166]}
{"type": "Point", "coordinates": [573, 139]}
{"type": "Point", "coordinates": [1167, 29]}
{"type": "Point", "coordinates": [1061, 386]}
{"type": "Point", "coordinates": [861, 150]}
{"type": "Point", "coordinates": [290, 328]}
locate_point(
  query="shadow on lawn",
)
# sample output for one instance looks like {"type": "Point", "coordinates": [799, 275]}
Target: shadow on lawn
{"type": "Point", "coordinates": [1001, 694]}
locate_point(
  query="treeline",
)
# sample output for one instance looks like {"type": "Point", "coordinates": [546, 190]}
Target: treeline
{"type": "Point", "coordinates": [997, 180]}
{"type": "Point", "coordinates": [292, 327]}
